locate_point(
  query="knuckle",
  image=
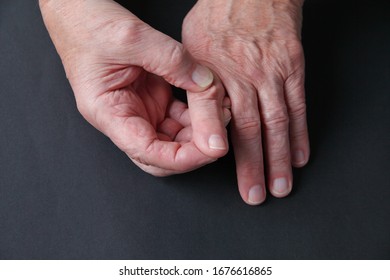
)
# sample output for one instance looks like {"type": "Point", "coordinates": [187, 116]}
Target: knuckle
{"type": "Point", "coordinates": [170, 63]}
{"type": "Point", "coordinates": [251, 169]}
{"type": "Point", "coordinates": [298, 134]}
{"type": "Point", "coordinates": [275, 120]}
{"type": "Point", "coordinates": [248, 128]}
{"type": "Point", "coordinates": [212, 95]}
{"type": "Point", "coordinates": [297, 111]}
{"type": "Point", "coordinates": [175, 56]}
{"type": "Point", "coordinates": [296, 51]}
{"type": "Point", "coordinates": [279, 159]}
{"type": "Point", "coordinates": [129, 32]}
{"type": "Point", "coordinates": [277, 148]}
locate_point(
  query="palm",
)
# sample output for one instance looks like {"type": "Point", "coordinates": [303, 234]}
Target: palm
{"type": "Point", "coordinates": [140, 105]}
{"type": "Point", "coordinates": [149, 97]}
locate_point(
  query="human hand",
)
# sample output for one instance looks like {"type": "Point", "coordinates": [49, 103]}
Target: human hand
{"type": "Point", "coordinates": [255, 48]}
{"type": "Point", "coordinates": [119, 69]}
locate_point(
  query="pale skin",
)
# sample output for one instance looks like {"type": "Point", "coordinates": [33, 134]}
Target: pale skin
{"type": "Point", "coordinates": [254, 47]}
{"type": "Point", "coordinates": [240, 60]}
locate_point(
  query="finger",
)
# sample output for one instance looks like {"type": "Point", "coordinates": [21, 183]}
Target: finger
{"type": "Point", "coordinates": [179, 112]}
{"type": "Point", "coordinates": [227, 114]}
{"type": "Point", "coordinates": [177, 125]}
{"type": "Point", "coordinates": [246, 138]}
{"type": "Point", "coordinates": [155, 171]}
{"type": "Point", "coordinates": [226, 103]}
{"type": "Point", "coordinates": [138, 139]}
{"type": "Point", "coordinates": [299, 137]}
{"type": "Point", "coordinates": [170, 128]}
{"type": "Point", "coordinates": [208, 121]}
{"type": "Point", "coordinates": [274, 117]}
{"type": "Point", "coordinates": [161, 55]}
{"type": "Point", "coordinates": [184, 135]}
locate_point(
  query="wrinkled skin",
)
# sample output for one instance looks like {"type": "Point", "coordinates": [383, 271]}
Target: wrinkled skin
{"type": "Point", "coordinates": [254, 47]}
{"type": "Point", "coordinates": [120, 70]}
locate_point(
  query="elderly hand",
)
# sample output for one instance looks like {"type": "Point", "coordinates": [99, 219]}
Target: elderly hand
{"type": "Point", "coordinates": [254, 47]}
{"type": "Point", "coordinates": [119, 69]}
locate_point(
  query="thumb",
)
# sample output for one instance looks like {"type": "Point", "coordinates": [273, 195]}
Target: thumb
{"type": "Point", "coordinates": [159, 54]}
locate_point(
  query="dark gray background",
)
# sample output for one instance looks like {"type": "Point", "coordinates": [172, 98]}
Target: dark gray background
{"type": "Point", "coordinates": [66, 192]}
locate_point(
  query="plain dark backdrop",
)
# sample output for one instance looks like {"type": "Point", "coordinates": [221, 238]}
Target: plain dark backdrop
{"type": "Point", "coordinates": [66, 192]}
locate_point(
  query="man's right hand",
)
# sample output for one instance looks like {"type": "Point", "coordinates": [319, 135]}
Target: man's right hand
{"type": "Point", "coordinates": [120, 70]}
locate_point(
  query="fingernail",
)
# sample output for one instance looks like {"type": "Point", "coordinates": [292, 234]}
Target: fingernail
{"type": "Point", "coordinates": [299, 157]}
{"type": "Point", "coordinates": [202, 76]}
{"type": "Point", "coordinates": [216, 142]}
{"type": "Point", "coordinates": [281, 186]}
{"type": "Point", "coordinates": [256, 195]}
